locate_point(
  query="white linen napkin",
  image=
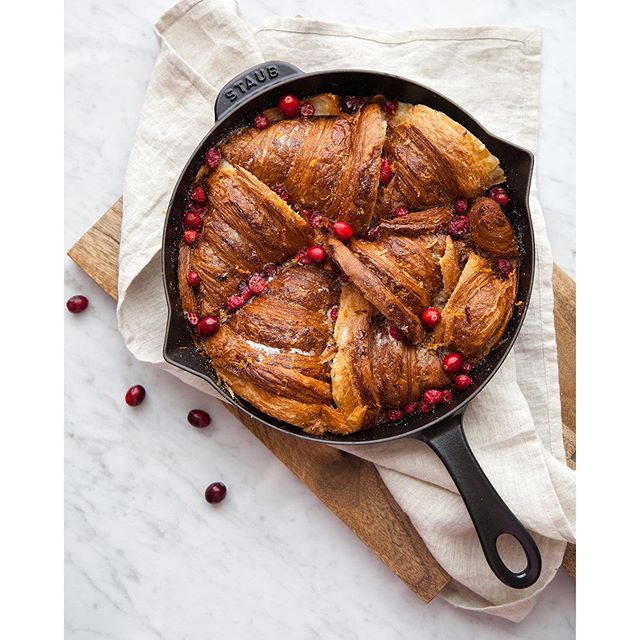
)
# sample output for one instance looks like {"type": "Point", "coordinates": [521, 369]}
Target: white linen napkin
{"type": "Point", "coordinates": [514, 425]}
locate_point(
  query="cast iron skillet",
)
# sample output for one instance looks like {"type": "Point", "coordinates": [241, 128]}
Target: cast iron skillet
{"type": "Point", "coordinates": [260, 88]}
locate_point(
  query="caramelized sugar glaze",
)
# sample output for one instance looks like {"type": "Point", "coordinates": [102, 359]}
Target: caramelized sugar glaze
{"type": "Point", "coordinates": [335, 335]}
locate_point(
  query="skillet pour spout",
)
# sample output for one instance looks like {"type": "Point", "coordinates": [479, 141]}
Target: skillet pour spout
{"type": "Point", "coordinates": [259, 88]}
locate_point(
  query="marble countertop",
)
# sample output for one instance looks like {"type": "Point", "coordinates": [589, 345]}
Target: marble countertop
{"type": "Point", "coordinates": [146, 557]}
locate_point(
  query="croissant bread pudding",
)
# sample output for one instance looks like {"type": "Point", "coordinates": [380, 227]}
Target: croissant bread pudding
{"type": "Point", "coordinates": [347, 261]}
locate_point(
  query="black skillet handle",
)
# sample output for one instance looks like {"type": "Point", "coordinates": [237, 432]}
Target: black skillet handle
{"type": "Point", "coordinates": [490, 515]}
{"type": "Point", "coordinates": [248, 82]}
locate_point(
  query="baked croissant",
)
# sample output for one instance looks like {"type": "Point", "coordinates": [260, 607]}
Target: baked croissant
{"type": "Point", "coordinates": [329, 350]}
{"type": "Point", "coordinates": [434, 160]}
{"type": "Point", "coordinates": [331, 164]}
{"type": "Point", "coordinates": [276, 351]}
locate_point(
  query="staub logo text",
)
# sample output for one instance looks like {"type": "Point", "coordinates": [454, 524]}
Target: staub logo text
{"type": "Point", "coordinates": [254, 79]}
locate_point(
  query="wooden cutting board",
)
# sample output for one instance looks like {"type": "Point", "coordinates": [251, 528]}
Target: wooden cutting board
{"type": "Point", "coordinates": [349, 486]}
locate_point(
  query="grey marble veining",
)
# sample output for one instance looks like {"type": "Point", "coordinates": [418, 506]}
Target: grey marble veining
{"type": "Point", "coordinates": [146, 557]}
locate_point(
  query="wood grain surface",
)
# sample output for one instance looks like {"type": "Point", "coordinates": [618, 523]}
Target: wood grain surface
{"type": "Point", "coordinates": [349, 486]}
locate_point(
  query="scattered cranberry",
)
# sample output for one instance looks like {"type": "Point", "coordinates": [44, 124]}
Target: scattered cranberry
{"type": "Point", "coordinates": [193, 278]}
{"type": "Point", "coordinates": [215, 492]}
{"type": "Point", "coordinates": [342, 231]}
{"type": "Point", "coordinates": [459, 226]}
{"type": "Point", "coordinates": [462, 382]}
{"type": "Point", "coordinates": [430, 317]}
{"type": "Point", "coordinates": [270, 270]}
{"type": "Point", "coordinates": [236, 301]}
{"type": "Point", "coordinates": [499, 195]}
{"type": "Point", "coordinates": [315, 219]}
{"type": "Point", "coordinates": [302, 258]}
{"type": "Point", "coordinates": [395, 333]}
{"type": "Point", "coordinates": [433, 396]}
{"type": "Point", "coordinates": [344, 277]}
{"type": "Point", "coordinates": [504, 266]}
{"type": "Point", "coordinates": [447, 396]}
{"type": "Point", "coordinates": [208, 325]}
{"type": "Point", "coordinates": [396, 414]}
{"type": "Point", "coordinates": [213, 157]}
{"type": "Point", "coordinates": [191, 318]}
{"type": "Point", "coordinates": [282, 193]}
{"type": "Point", "coordinates": [425, 407]}
{"type": "Point", "coordinates": [400, 212]}
{"type": "Point", "coordinates": [316, 253]}
{"type": "Point", "coordinates": [199, 418]}
{"type": "Point", "coordinates": [386, 172]}
{"type": "Point", "coordinates": [410, 408]}
{"type": "Point", "coordinates": [261, 122]}
{"type": "Point", "coordinates": [190, 236]}
{"type": "Point", "coordinates": [333, 313]}
{"type": "Point", "coordinates": [290, 106]}
{"type": "Point", "coordinates": [192, 220]}
{"type": "Point", "coordinates": [77, 304]}
{"type": "Point", "coordinates": [466, 368]}
{"type": "Point", "coordinates": [372, 234]}
{"type": "Point", "coordinates": [198, 195]}
{"type": "Point", "coordinates": [135, 395]}
{"type": "Point", "coordinates": [194, 207]}
{"type": "Point", "coordinates": [350, 104]}
{"type": "Point", "coordinates": [460, 205]}
{"type": "Point", "coordinates": [391, 106]}
{"type": "Point", "coordinates": [307, 109]}
{"type": "Point", "coordinates": [453, 362]}
{"type": "Point", "coordinates": [257, 283]}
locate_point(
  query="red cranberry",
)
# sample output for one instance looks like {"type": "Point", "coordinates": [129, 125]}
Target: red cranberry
{"type": "Point", "coordinates": [199, 418]}
{"type": "Point", "coordinates": [342, 231]}
{"type": "Point", "coordinates": [447, 396]}
{"type": "Point", "coordinates": [391, 106]}
{"type": "Point", "coordinates": [395, 333]}
{"type": "Point", "coordinates": [305, 213]}
{"type": "Point", "coordinates": [245, 292]}
{"type": "Point", "coordinates": [307, 109]}
{"type": "Point", "coordinates": [190, 236]}
{"type": "Point", "coordinates": [289, 106]}
{"type": "Point", "coordinates": [459, 226]}
{"type": "Point", "coordinates": [236, 301]}
{"type": "Point", "coordinates": [462, 382]}
{"type": "Point", "coordinates": [400, 212]}
{"type": "Point", "coordinates": [270, 270]}
{"type": "Point", "coordinates": [460, 205]}
{"type": "Point", "coordinates": [282, 193]}
{"type": "Point", "coordinates": [77, 304]}
{"type": "Point", "coordinates": [333, 313]}
{"type": "Point", "coordinates": [191, 318]}
{"type": "Point", "coordinates": [198, 195]}
{"type": "Point", "coordinates": [193, 278]}
{"type": "Point", "coordinates": [194, 207]}
{"type": "Point", "coordinates": [499, 195]}
{"type": "Point", "coordinates": [425, 407]}
{"type": "Point", "coordinates": [344, 277]}
{"type": "Point", "coordinates": [453, 362]}
{"type": "Point", "coordinates": [372, 234]}
{"type": "Point", "coordinates": [396, 414]}
{"type": "Point", "coordinates": [215, 493]}
{"type": "Point", "coordinates": [504, 266]}
{"type": "Point", "coordinates": [430, 317]}
{"type": "Point", "coordinates": [213, 157]}
{"type": "Point", "coordinates": [410, 408]}
{"type": "Point", "coordinates": [466, 368]}
{"type": "Point", "coordinates": [257, 283]}
{"type": "Point", "coordinates": [192, 220]}
{"type": "Point", "coordinates": [315, 219]}
{"type": "Point", "coordinates": [301, 257]}
{"type": "Point", "coordinates": [350, 104]}
{"type": "Point", "coordinates": [386, 171]}
{"type": "Point", "coordinates": [316, 253]}
{"type": "Point", "coordinates": [433, 396]}
{"type": "Point", "coordinates": [135, 395]}
{"type": "Point", "coordinates": [261, 122]}
{"type": "Point", "coordinates": [208, 325]}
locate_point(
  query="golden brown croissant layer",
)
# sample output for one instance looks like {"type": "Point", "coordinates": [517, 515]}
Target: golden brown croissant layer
{"type": "Point", "coordinates": [327, 349]}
